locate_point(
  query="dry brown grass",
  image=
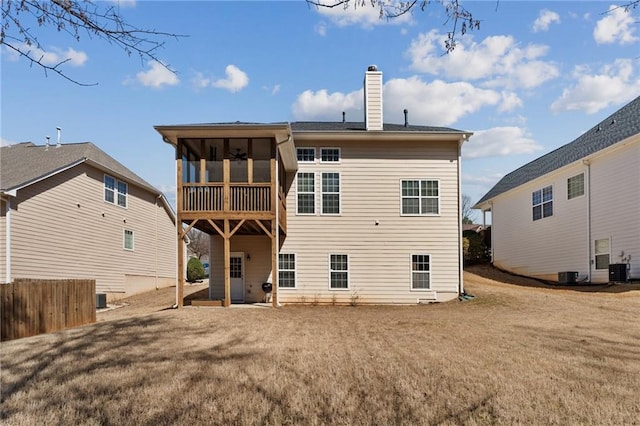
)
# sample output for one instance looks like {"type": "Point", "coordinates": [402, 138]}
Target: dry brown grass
{"type": "Point", "coordinates": [517, 354]}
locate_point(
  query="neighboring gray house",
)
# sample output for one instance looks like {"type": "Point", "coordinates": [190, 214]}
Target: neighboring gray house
{"type": "Point", "coordinates": [575, 209]}
{"type": "Point", "coordinates": [72, 211]}
{"type": "Point", "coordinates": [329, 212]}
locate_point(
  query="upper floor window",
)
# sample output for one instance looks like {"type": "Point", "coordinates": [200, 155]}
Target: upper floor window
{"type": "Point", "coordinates": [575, 186]}
{"type": "Point", "coordinates": [330, 193]}
{"type": "Point", "coordinates": [306, 193]}
{"type": "Point", "coordinates": [420, 197]}
{"type": "Point", "coordinates": [115, 191]}
{"type": "Point", "coordinates": [330, 155]}
{"type": "Point", "coordinates": [542, 202]}
{"type": "Point", "coordinates": [306, 155]}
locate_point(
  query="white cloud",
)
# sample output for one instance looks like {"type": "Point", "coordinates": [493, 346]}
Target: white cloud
{"type": "Point", "coordinates": [322, 105]}
{"type": "Point", "coordinates": [510, 101]}
{"type": "Point", "coordinates": [52, 57]}
{"type": "Point", "coordinates": [157, 76]}
{"type": "Point", "coordinates": [321, 29]}
{"type": "Point", "coordinates": [498, 60]}
{"type": "Point", "coordinates": [362, 13]}
{"type": "Point", "coordinates": [275, 89]}
{"type": "Point", "coordinates": [615, 84]}
{"type": "Point", "coordinates": [618, 26]}
{"type": "Point", "coordinates": [499, 142]}
{"type": "Point", "coordinates": [434, 103]}
{"type": "Point", "coordinates": [236, 79]}
{"type": "Point", "coordinates": [483, 180]}
{"type": "Point", "coordinates": [200, 81]}
{"type": "Point", "coordinates": [544, 20]}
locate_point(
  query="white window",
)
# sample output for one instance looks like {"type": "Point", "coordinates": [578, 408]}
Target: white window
{"type": "Point", "coordinates": [115, 191]}
{"type": "Point", "coordinates": [542, 201]}
{"type": "Point", "coordinates": [331, 193]}
{"type": "Point", "coordinates": [306, 193]}
{"type": "Point", "coordinates": [338, 271]}
{"type": "Point", "coordinates": [330, 155]}
{"type": "Point", "coordinates": [420, 197]}
{"type": "Point", "coordinates": [287, 270]}
{"type": "Point", "coordinates": [128, 239]}
{"type": "Point", "coordinates": [602, 253]}
{"type": "Point", "coordinates": [420, 272]}
{"type": "Point", "coordinates": [306, 155]}
{"type": "Point", "coordinates": [575, 186]}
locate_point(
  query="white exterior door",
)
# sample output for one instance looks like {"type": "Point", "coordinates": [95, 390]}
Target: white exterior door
{"type": "Point", "coordinates": [237, 276]}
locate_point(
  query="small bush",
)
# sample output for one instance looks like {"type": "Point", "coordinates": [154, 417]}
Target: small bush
{"type": "Point", "coordinates": [195, 270]}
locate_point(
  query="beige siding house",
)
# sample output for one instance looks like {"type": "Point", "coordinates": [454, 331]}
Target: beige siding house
{"type": "Point", "coordinates": [72, 211]}
{"type": "Point", "coordinates": [326, 212]}
{"type": "Point", "coordinates": [574, 212]}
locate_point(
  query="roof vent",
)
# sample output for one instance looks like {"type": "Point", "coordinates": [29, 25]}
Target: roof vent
{"type": "Point", "coordinates": [344, 115]}
{"type": "Point", "coordinates": [47, 144]}
{"type": "Point", "coordinates": [406, 117]}
{"type": "Point", "coordinates": [613, 121]}
{"type": "Point", "coordinates": [58, 143]}
{"type": "Point", "coordinates": [599, 128]}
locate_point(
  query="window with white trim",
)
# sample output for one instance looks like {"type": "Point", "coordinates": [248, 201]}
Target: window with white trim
{"type": "Point", "coordinates": [338, 271]}
{"type": "Point", "coordinates": [602, 253]}
{"type": "Point", "coordinates": [330, 155]}
{"type": "Point", "coordinates": [542, 202]}
{"type": "Point", "coordinates": [115, 191]}
{"type": "Point", "coordinates": [575, 186]}
{"type": "Point", "coordinates": [287, 270]}
{"type": "Point", "coordinates": [420, 197]}
{"type": "Point", "coordinates": [420, 272]}
{"type": "Point", "coordinates": [128, 240]}
{"type": "Point", "coordinates": [306, 193]}
{"type": "Point", "coordinates": [306, 155]}
{"type": "Point", "coordinates": [330, 193]}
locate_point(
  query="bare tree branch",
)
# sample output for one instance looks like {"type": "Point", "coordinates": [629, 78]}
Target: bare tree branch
{"type": "Point", "coordinates": [22, 18]}
{"type": "Point", "coordinates": [199, 243]}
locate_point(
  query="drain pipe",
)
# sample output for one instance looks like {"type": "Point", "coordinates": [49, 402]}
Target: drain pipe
{"type": "Point", "coordinates": [275, 277]}
{"type": "Point", "coordinates": [589, 253]}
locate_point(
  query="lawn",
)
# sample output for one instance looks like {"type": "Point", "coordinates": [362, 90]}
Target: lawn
{"type": "Point", "coordinates": [516, 354]}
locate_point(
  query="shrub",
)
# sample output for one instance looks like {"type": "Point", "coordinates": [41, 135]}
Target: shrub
{"type": "Point", "coordinates": [475, 250]}
{"type": "Point", "coordinates": [195, 270]}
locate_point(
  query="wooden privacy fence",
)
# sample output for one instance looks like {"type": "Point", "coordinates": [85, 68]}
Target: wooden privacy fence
{"type": "Point", "coordinates": [30, 307]}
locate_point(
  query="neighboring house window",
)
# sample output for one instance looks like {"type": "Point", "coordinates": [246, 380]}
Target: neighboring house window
{"type": "Point", "coordinates": [420, 272]}
{"type": "Point", "coordinates": [542, 201]}
{"type": "Point", "coordinates": [339, 271]}
{"type": "Point", "coordinates": [306, 155]}
{"type": "Point", "coordinates": [287, 270]}
{"type": "Point", "coordinates": [575, 186]}
{"type": "Point", "coordinates": [128, 239]}
{"type": "Point", "coordinates": [330, 193]}
{"type": "Point", "coordinates": [115, 191]}
{"type": "Point", "coordinates": [330, 155]}
{"type": "Point", "coordinates": [602, 253]}
{"type": "Point", "coordinates": [306, 195]}
{"type": "Point", "coordinates": [420, 197]}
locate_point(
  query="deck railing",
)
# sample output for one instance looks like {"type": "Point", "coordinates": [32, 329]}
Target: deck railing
{"type": "Point", "coordinates": [242, 197]}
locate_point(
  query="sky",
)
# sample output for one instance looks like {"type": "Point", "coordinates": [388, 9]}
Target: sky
{"type": "Point", "coordinates": [535, 76]}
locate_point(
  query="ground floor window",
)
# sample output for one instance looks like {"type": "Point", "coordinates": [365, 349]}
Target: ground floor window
{"type": "Point", "coordinates": [420, 272]}
{"type": "Point", "coordinates": [287, 270]}
{"type": "Point", "coordinates": [338, 271]}
{"type": "Point", "coordinates": [602, 253]}
{"type": "Point", "coordinates": [128, 239]}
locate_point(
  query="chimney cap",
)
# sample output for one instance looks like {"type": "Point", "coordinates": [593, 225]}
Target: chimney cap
{"type": "Point", "coordinates": [372, 68]}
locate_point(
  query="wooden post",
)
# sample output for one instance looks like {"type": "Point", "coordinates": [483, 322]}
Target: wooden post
{"type": "Point", "coordinates": [226, 177]}
{"type": "Point", "coordinates": [227, 265]}
{"type": "Point", "coordinates": [180, 248]}
{"type": "Point", "coordinates": [250, 162]}
{"type": "Point", "coordinates": [203, 163]}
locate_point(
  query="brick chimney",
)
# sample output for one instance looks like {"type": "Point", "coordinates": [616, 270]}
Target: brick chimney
{"type": "Point", "coordinates": [373, 98]}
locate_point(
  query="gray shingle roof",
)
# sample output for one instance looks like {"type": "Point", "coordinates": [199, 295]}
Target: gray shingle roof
{"type": "Point", "coordinates": [24, 163]}
{"type": "Point", "coordinates": [619, 126]}
{"type": "Point", "coordinates": [329, 126]}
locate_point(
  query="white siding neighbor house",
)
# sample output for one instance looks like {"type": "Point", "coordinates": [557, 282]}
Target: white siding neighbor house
{"type": "Point", "coordinates": [72, 211]}
{"type": "Point", "coordinates": [327, 212]}
{"type": "Point", "coordinates": [576, 209]}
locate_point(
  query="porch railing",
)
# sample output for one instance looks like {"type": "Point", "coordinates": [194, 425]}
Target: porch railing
{"type": "Point", "coordinates": [242, 197]}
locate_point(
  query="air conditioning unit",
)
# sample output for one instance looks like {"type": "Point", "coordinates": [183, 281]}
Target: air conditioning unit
{"type": "Point", "coordinates": [567, 277]}
{"type": "Point", "coordinates": [618, 273]}
{"type": "Point", "coordinates": [101, 300]}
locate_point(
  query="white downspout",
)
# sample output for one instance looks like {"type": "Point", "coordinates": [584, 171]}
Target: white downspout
{"type": "Point", "coordinates": [589, 253]}
{"type": "Point", "coordinates": [8, 240]}
{"type": "Point", "coordinates": [274, 278]}
{"type": "Point", "coordinates": [460, 238]}
{"type": "Point", "coordinates": [156, 245]}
